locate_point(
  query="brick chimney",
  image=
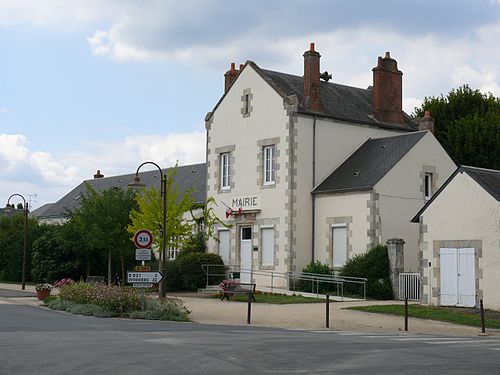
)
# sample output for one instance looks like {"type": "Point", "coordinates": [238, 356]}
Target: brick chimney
{"type": "Point", "coordinates": [312, 93]}
{"type": "Point", "coordinates": [426, 122]}
{"type": "Point", "coordinates": [387, 98]}
{"type": "Point", "coordinates": [98, 174]}
{"type": "Point", "coordinates": [230, 77]}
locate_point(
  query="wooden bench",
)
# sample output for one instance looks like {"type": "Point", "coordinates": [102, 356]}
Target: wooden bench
{"type": "Point", "coordinates": [230, 287]}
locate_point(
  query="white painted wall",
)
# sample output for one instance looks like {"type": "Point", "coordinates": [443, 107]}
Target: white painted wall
{"type": "Point", "coordinates": [401, 196]}
{"type": "Point", "coordinates": [339, 205]}
{"type": "Point", "coordinates": [464, 211]}
{"type": "Point", "coordinates": [267, 120]}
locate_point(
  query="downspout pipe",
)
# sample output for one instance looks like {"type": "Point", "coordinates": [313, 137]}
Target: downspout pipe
{"type": "Point", "coordinates": [313, 200]}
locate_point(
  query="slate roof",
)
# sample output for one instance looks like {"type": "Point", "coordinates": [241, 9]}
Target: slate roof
{"type": "Point", "coordinates": [488, 179]}
{"type": "Point", "coordinates": [188, 177]}
{"type": "Point", "coordinates": [339, 102]}
{"type": "Point", "coordinates": [368, 164]}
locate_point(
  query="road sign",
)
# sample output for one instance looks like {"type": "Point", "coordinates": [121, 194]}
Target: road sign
{"type": "Point", "coordinates": [143, 238]}
{"type": "Point", "coordinates": [142, 285]}
{"type": "Point", "coordinates": [142, 268]}
{"type": "Point", "coordinates": [144, 277]}
{"type": "Point", "coordinates": [142, 254]}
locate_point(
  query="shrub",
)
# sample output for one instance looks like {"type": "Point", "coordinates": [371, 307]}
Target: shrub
{"type": "Point", "coordinates": [60, 304]}
{"type": "Point", "coordinates": [164, 309]}
{"type": "Point", "coordinates": [193, 276]}
{"type": "Point", "coordinates": [111, 298]}
{"type": "Point", "coordinates": [373, 265]}
{"type": "Point", "coordinates": [310, 285]}
{"type": "Point", "coordinates": [173, 276]}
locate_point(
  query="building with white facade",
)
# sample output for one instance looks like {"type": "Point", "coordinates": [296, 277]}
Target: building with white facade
{"type": "Point", "coordinates": [460, 240]}
{"type": "Point", "coordinates": [313, 170]}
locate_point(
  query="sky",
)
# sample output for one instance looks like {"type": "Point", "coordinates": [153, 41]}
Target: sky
{"type": "Point", "coordinates": [109, 84]}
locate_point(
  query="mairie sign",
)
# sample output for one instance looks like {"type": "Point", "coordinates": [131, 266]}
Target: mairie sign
{"type": "Point", "coordinates": [245, 202]}
{"type": "Point", "coordinates": [144, 277]}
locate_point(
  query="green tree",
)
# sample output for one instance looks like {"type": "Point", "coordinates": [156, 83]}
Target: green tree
{"type": "Point", "coordinates": [149, 214]}
{"type": "Point", "coordinates": [102, 220]}
{"type": "Point", "coordinates": [52, 260]}
{"type": "Point", "coordinates": [467, 124]}
{"type": "Point", "coordinates": [12, 245]}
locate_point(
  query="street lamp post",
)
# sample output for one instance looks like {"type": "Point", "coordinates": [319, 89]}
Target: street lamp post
{"type": "Point", "coordinates": [163, 191]}
{"type": "Point", "coordinates": [25, 209]}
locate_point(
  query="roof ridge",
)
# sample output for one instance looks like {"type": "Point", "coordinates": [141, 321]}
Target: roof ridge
{"type": "Point", "coordinates": [465, 167]}
{"type": "Point", "coordinates": [322, 82]}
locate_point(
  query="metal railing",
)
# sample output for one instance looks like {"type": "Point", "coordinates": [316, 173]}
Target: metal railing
{"type": "Point", "coordinates": [409, 286]}
{"type": "Point", "coordinates": [294, 281]}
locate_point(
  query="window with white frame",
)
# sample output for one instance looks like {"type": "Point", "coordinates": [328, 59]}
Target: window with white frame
{"type": "Point", "coordinates": [339, 241]}
{"type": "Point", "coordinates": [224, 171]}
{"type": "Point", "coordinates": [267, 246]}
{"type": "Point", "coordinates": [428, 185]}
{"type": "Point", "coordinates": [269, 165]}
{"type": "Point", "coordinates": [224, 246]}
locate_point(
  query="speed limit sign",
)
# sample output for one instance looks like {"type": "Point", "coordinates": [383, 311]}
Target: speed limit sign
{"type": "Point", "coordinates": [143, 239]}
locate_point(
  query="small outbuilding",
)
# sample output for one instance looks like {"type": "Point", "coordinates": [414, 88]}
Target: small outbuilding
{"type": "Point", "coordinates": [460, 240]}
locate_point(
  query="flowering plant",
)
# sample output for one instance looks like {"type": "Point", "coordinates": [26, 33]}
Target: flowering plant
{"type": "Point", "coordinates": [62, 282]}
{"type": "Point", "coordinates": [225, 284]}
{"type": "Point", "coordinates": [42, 287]}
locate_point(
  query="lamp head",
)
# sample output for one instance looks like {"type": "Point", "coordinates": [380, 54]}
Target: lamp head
{"type": "Point", "coordinates": [136, 182]}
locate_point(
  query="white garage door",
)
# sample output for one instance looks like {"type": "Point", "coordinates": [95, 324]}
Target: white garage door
{"type": "Point", "coordinates": [458, 280]}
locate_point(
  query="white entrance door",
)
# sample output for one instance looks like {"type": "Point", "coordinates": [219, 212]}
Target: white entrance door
{"type": "Point", "coordinates": [246, 254]}
{"type": "Point", "coordinates": [458, 282]}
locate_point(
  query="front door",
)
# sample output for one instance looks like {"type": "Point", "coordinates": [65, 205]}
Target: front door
{"type": "Point", "coordinates": [246, 254]}
{"type": "Point", "coordinates": [458, 284]}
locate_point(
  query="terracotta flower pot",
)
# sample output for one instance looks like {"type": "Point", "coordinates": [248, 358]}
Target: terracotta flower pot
{"type": "Point", "coordinates": [42, 294]}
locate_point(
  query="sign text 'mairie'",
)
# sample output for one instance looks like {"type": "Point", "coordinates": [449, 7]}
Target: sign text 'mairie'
{"type": "Point", "coordinates": [246, 202]}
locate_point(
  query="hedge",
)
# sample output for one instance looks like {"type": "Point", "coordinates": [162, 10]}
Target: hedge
{"type": "Point", "coordinates": [373, 265]}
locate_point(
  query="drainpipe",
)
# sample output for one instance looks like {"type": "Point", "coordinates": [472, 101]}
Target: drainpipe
{"type": "Point", "coordinates": [313, 224]}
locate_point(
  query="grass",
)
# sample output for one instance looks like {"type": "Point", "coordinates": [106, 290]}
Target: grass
{"type": "Point", "coordinates": [463, 316]}
{"type": "Point", "coordinates": [277, 299]}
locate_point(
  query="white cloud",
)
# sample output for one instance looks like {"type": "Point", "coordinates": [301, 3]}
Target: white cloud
{"type": "Point", "coordinates": [51, 176]}
{"type": "Point", "coordinates": [13, 150]}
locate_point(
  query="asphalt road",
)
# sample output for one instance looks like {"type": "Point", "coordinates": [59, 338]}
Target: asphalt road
{"type": "Point", "coordinates": [34, 340]}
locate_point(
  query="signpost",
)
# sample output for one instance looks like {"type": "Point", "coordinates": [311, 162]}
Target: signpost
{"type": "Point", "coordinates": [142, 254]}
{"type": "Point", "coordinates": [143, 239]}
{"type": "Point", "coordinates": [143, 277]}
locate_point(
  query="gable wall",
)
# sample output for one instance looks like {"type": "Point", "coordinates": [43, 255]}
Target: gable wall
{"type": "Point", "coordinates": [400, 194]}
{"type": "Point", "coordinates": [463, 215]}
{"type": "Point", "coordinates": [244, 137]}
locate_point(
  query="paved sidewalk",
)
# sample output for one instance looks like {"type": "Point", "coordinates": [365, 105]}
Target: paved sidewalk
{"type": "Point", "coordinates": [208, 310]}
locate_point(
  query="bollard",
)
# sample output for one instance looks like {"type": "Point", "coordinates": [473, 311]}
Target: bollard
{"type": "Point", "coordinates": [327, 311]}
{"type": "Point", "coordinates": [249, 311]}
{"type": "Point", "coordinates": [481, 309]}
{"type": "Point", "coordinates": [406, 314]}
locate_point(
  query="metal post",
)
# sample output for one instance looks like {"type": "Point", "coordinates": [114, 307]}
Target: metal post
{"type": "Point", "coordinates": [249, 310]}
{"type": "Point", "coordinates": [406, 314]}
{"type": "Point", "coordinates": [481, 309]}
{"type": "Point", "coordinates": [142, 298]}
{"type": "Point", "coordinates": [272, 282]}
{"type": "Point", "coordinates": [163, 289]}
{"type": "Point", "coordinates": [23, 272]}
{"type": "Point", "coordinates": [327, 311]}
